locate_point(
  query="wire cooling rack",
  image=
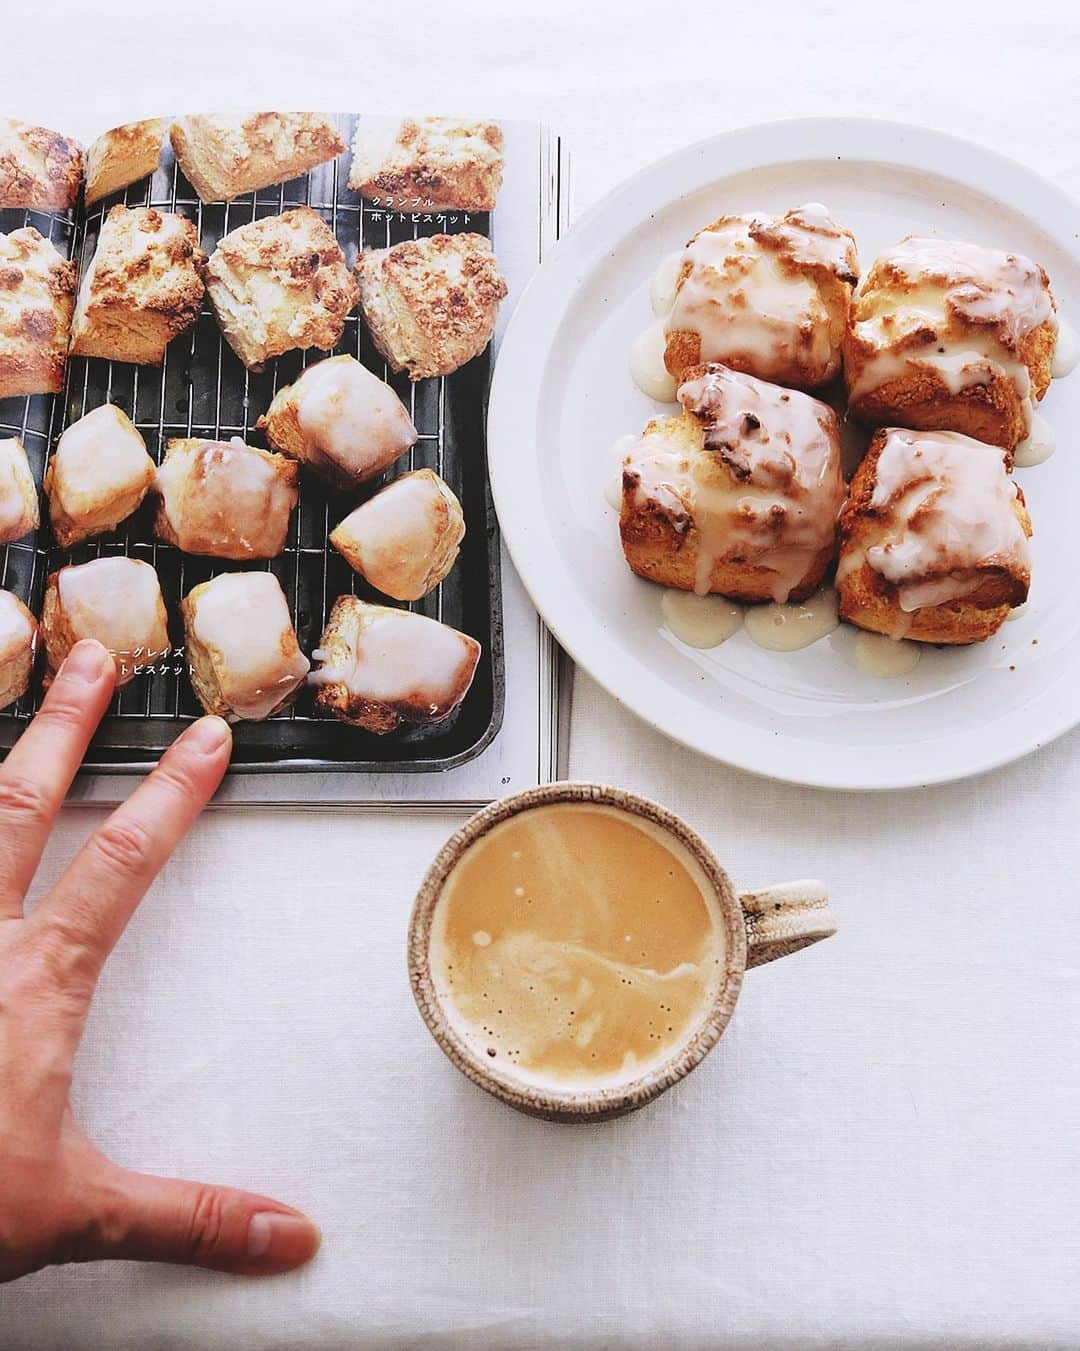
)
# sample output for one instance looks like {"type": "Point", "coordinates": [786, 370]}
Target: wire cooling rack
{"type": "Point", "coordinates": [203, 390]}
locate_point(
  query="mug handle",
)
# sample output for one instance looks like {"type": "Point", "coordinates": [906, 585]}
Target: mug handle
{"type": "Point", "coordinates": [785, 918]}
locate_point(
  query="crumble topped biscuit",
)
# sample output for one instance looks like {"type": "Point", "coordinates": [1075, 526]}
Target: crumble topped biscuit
{"type": "Point", "coordinates": [933, 539]}
{"type": "Point", "coordinates": [739, 495]}
{"type": "Point", "coordinates": [223, 155]}
{"type": "Point", "coordinates": [142, 289]}
{"type": "Point", "coordinates": [767, 295]}
{"type": "Point", "coordinates": [431, 304]}
{"type": "Point", "coordinates": [37, 294]}
{"type": "Point", "coordinates": [951, 336]}
{"type": "Point", "coordinates": [280, 283]}
{"type": "Point", "coordinates": [434, 161]}
{"type": "Point", "coordinates": [39, 168]}
{"type": "Point", "coordinates": [123, 156]}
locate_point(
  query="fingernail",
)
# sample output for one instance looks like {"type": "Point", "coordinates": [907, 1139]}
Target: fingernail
{"type": "Point", "coordinates": [280, 1241]}
{"type": "Point", "coordinates": [87, 661]}
{"type": "Point", "coordinates": [208, 735]}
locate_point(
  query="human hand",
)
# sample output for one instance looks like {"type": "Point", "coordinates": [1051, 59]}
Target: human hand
{"type": "Point", "coordinates": [61, 1200]}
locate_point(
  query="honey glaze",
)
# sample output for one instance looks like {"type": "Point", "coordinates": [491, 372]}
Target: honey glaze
{"type": "Point", "coordinates": [884, 657]}
{"type": "Point", "coordinates": [789, 628]}
{"type": "Point", "coordinates": [1039, 444]}
{"type": "Point", "coordinates": [700, 621]}
{"type": "Point", "coordinates": [647, 367]}
{"type": "Point", "coordinates": [576, 944]}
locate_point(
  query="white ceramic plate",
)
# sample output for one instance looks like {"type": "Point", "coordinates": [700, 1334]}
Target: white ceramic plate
{"type": "Point", "coordinates": [562, 395]}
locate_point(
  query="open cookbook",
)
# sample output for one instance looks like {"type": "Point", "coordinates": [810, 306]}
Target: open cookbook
{"type": "Point", "coordinates": [244, 363]}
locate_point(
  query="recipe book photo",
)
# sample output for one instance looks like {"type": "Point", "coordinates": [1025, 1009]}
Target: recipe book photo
{"type": "Point", "coordinates": [244, 366]}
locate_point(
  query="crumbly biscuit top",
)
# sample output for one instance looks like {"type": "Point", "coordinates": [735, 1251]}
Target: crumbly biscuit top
{"type": "Point", "coordinates": [38, 167]}
{"type": "Point", "coordinates": [449, 284]}
{"type": "Point", "coordinates": [287, 260]}
{"type": "Point", "coordinates": [443, 160]}
{"type": "Point", "coordinates": [36, 286]}
{"type": "Point", "coordinates": [150, 259]}
{"type": "Point", "coordinates": [235, 139]}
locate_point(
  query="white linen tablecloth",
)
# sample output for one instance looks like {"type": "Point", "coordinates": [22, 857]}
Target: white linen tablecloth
{"type": "Point", "coordinates": [883, 1151]}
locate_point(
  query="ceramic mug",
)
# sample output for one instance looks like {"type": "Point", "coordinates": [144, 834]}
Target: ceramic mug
{"type": "Point", "coordinates": [759, 927]}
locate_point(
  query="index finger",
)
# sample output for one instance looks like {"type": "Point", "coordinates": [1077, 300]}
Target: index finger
{"type": "Point", "coordinates": [41, 765]}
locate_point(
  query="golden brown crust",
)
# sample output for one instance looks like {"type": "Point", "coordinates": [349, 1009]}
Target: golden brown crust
{"type": "Point", "coordinates": [870, 602]}
{"type": "Point", "coordinates": [37, 295]}
{"type": "Point", "coordinates": [223, 155]}
{"type": "Point", "coordinates": [662, 542]}
{"type": "Point", "coordinates": [122, 156]}
{"type": "Point", "coordinates": [428, 162]}
{"type": "Point", "coordinates": [39, 168]}
{"type": "Point", "coordinates": [926, 300]}
{"type": "Point", "coordinates": [142, 289]}
{"type": "Point", "coordinates": [280, 283]}
{"type": "Point", "coordinates": [431, 304]}
{"type": "Point", "coordinates": [821, 328]}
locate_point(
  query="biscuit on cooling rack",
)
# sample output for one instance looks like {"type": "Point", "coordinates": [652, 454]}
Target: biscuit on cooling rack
{"type": "Point", "coordinates": [280, 283]}
{"type": "Point", "coordinates": [951, 336]}
{"type": "Point", "coordinates": [379, 668]}
{"type": "Point", "coordinates": [116, 600]}
{"type": "Point", "coordinates": [223, 155]}
{"type": "Point", "coordinates": [122, 156]}
{"type": "Point", "coordinates": [933, 539]}
{"type": "Point", "coordinates": [241, 646]}
{"type": "Point", "coordinates": [97, 476]}
{"type": "Point", "coordinates": [18, 492]}
{"type": "Point", "coordinates": [18, 648]}
{"type": "Point", "coordinates": [224, 498]}
{"type": "Point", "coordinates": [341, 419]}
{"type": "Point", "coordinates": [405, 539]}
{"type": "Point", "coordinates": [430, 304]}
{"type": "Point", "coordinates": [427, 162]}
{"type": "Point", "coordinates": [39, 168]}
{"type": "Point", "coordinates": [37, 295]}
{"type": "Point", "coordinates": [143, 287]}
{"type": "Point", "coordinates": [767, 295]}
{"type": "Point", "coordinates": [739, 495]}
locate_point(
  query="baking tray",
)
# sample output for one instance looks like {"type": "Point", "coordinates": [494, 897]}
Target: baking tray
{"type": "Point", "coordinates": [203, 390]}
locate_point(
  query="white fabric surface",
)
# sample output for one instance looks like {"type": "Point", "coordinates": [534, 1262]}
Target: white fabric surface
{"type": "Point", "coordinates": [883, 1150]}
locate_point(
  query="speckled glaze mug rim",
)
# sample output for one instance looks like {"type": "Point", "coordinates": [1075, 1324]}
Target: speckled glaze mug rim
{"type": "Point", "coordinates": [584, 1103]}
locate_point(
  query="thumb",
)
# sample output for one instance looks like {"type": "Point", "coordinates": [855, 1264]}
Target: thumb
{"type": "Point", "coordinates": [160, 1219]}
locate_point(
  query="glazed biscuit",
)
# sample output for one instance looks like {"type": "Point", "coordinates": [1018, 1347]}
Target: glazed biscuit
{"type": "Point", "coordinates": [341, 419]}
{"type": "Point", "coordinates": [39, 169]}
{"type": "Point", "coordinates": [428, 162]}
{"type": "Point", "coordinates": [18, 493]}
{"type": "Point", "coordinates": [37, 295]}
{"type": "Point", "coordinates": [223, 155]}
{"type": "Point", "coordinates": [430, 304]}
{"type": "Point", "coordinates": [379, 668]}
{"type": "Point", "coordinates": [224, 498]}
{"type": "Point", "coordinates": [245, 661]}
{"type": "Point", "coordinates": [767, 295]}
{"type": "Point", "coordinates": [405, 539]}
{"type": "Point", "coordinates": [122, 156]}
{"type": "Point", "coordinates": [950, 336]}
{"type": "Point", "coordinates": [280, 283]}
{"type": "Point", "coordinates": [114, 599]}
{"type": "Point", "coordinates": [97, 476]}
{"type": "Point", "coordinates": [18, 648]}
{"type": "Point", "coordinates": [933, 539]}
{"type": "Point", "coordinates": [739, 495]}
{"type": "Point", "coordinates": [142, 289]}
